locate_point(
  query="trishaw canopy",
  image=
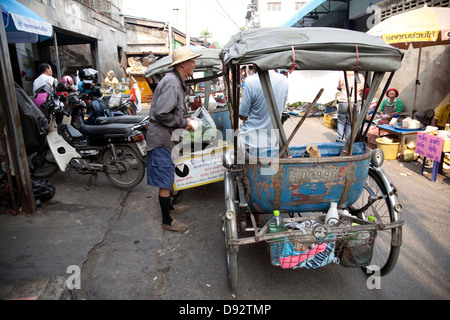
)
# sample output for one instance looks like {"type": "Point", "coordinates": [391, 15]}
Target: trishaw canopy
{"type": "Point", "coordinates": [311, 49]}
{"type": "Point", "coordinates": [208, 59]}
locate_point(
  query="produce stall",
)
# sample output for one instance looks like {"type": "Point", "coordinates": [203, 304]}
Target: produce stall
{"type": "Point", "coordinates": [134, 65]}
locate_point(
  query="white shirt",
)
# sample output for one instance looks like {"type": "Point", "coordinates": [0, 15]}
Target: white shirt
{"type": "Point", "coordinates": [44, 80]}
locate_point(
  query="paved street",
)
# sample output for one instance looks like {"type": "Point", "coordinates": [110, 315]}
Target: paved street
{"type": "Point", "coordinates": [115, 238]}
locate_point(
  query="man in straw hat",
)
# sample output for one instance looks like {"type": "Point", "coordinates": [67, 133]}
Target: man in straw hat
{"type": "Point", "coordinates": [166, 115]}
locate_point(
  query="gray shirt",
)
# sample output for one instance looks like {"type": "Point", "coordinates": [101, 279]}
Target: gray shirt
{"type": "Point", "coordinates": [166, 112]}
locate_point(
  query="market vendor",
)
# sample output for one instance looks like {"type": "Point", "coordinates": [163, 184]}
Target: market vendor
{"type": "Point", "coordinates": [442, 116]}
{"type": "Point", "coordinates": [110, 79]}
{"type": "Point", "coordinates": [392, 105]}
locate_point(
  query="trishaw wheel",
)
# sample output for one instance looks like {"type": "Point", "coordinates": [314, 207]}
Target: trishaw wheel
{"type": "Point", "coordinates": [385, 254]}
{"type": "Point", "coordinates": [232, 269]}
{"type": "Point", "coordinates": [231, 258]}
{"type": "Point", "coordinates": [230, 229]}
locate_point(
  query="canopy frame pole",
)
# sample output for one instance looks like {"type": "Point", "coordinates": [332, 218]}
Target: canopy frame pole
{"type": "Point", "coordinates": [229, 96]}
{"type": "Point", "coordinates": [366, 86]}
{"type": "Point", "coordinates": [209, 72]}
{"type": "Point", "coordinates": [377, 78]}
{"type": "Point", "coordinates": [386, 86]}
{"type": "Point", "coordinates": [308, 110]}
{"type": "Point", "coordinates": [273, 110]}
{"type": "Point", "coordinates": [235, 96]}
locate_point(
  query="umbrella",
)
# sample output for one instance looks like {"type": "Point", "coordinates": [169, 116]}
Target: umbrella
{"type": "Point", "coordinates": [424, 27]}
{"type": "Point", "coordinates": [22, 25]}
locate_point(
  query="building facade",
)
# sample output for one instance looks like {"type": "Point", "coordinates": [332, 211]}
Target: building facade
{"type": "Point", "coordinates": [89, 34]}
{"type": "Point", "coordinates": [362, 15]}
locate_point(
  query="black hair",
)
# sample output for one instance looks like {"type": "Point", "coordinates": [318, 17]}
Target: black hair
{"type": "Point", "coordinates": [42, 67]}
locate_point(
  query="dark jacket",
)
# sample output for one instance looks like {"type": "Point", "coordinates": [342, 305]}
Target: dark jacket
{"type": "Point", "coordinates": [166, 112]}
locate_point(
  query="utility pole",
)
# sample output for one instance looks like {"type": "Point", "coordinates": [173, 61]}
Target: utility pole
{"type": "Point", "coordinates": [188, 37]}
{"type": "Point", "coordinates": [252, 16]}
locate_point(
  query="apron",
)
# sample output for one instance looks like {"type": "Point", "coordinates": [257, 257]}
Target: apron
{"type": "Point", "coordinates": [390, 108]}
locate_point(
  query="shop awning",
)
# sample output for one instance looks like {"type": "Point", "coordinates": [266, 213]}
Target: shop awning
{"type": "Point", "coordinates": [22, 25]}
{"type": "Point", "coordinates": [303, 11]}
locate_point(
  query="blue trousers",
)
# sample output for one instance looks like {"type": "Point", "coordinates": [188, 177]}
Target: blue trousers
{"type": "Point", "coordinates": [343, 120]}
{"type": "Point", "coordinates": [160, 168]}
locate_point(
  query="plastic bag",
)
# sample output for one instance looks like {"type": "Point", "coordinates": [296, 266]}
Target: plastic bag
{"type": "Point", "coordinates": [206, 131]}
{"type": "Point", "coordinates": [34, 122]}
{"type": "Point", "coordinates": [42, 190]}
{"type": "Point", "coordinates": [115, 100]}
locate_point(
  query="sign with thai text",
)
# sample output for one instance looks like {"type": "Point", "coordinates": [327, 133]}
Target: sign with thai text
{"type": "Point", "coordinates": [411, 36]}
{"type": "Point", "coordinates": [429, 146]}
{"type": "Point", "coordinates": [200, 168]}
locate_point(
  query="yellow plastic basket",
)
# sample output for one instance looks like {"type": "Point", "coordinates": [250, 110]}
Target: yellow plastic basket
{"type": "Point", "coordinates": [390, 149]}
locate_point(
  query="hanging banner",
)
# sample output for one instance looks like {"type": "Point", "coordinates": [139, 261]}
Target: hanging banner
{"type": "Point", "coordinates": [30, 25]}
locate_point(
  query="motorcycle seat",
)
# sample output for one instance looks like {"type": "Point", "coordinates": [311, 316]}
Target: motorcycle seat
{"type": "Point", "coordinates": [107, 129]}
{"type": "Point", "coordinates": [121, 119]}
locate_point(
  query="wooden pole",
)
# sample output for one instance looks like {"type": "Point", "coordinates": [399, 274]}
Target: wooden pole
{"type": "Point", "coordinates": [308, 110]}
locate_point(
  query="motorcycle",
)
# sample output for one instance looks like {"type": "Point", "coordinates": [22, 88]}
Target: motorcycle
{"type": "Point", "coordinates": [118, 150]}
{"type": "Point", "coordinates": [122, 103]}
{"type": "Point", "coordinates": [96, 113]}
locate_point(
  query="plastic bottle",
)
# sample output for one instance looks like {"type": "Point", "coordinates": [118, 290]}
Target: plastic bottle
{"type": "Point", "coordinates": [362, 237]}
{"type": "Point", "coordinates": [276, 224]}
{"type": "Point", "coordinates": [332, 217]}
{"type": "Point", "coordinates": [345, 213]}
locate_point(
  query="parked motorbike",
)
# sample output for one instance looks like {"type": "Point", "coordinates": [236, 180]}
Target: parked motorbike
{"type": "Point", "coordinates": [97, 113]}
{"type": "Point", "coordinates": [118, 150]}
{"type": "Point", "coordinates": [123, 103]}
{"type": "Point", "coordinates": [90, 92]}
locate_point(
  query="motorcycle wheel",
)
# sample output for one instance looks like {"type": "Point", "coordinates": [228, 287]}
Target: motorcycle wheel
{"type": "Point", "coordinates": [44, 164]}
{"type": "Point", "coordinates": [127, 171]}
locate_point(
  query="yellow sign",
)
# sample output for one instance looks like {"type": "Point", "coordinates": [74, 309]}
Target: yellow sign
{"type": "Point", "coordinates": [411, 37]}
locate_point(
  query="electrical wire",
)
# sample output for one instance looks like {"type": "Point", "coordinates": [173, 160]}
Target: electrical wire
{"type": "Point", "coordinates": [228, 14]}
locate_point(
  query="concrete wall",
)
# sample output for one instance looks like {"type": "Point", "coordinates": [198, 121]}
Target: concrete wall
{"type": "Point", "coordinates": [74, 17]}
{"type": "Point", "coordinates": [434, 77]}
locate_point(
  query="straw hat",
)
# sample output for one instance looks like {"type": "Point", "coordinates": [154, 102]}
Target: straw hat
{"type": "Point", "coordinates": [182, 54]}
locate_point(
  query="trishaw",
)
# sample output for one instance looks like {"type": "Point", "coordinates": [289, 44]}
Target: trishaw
{"type": "Point", "coordinates": [301, 186]}
{"type": "Point", "coordinates": [205, 94]}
